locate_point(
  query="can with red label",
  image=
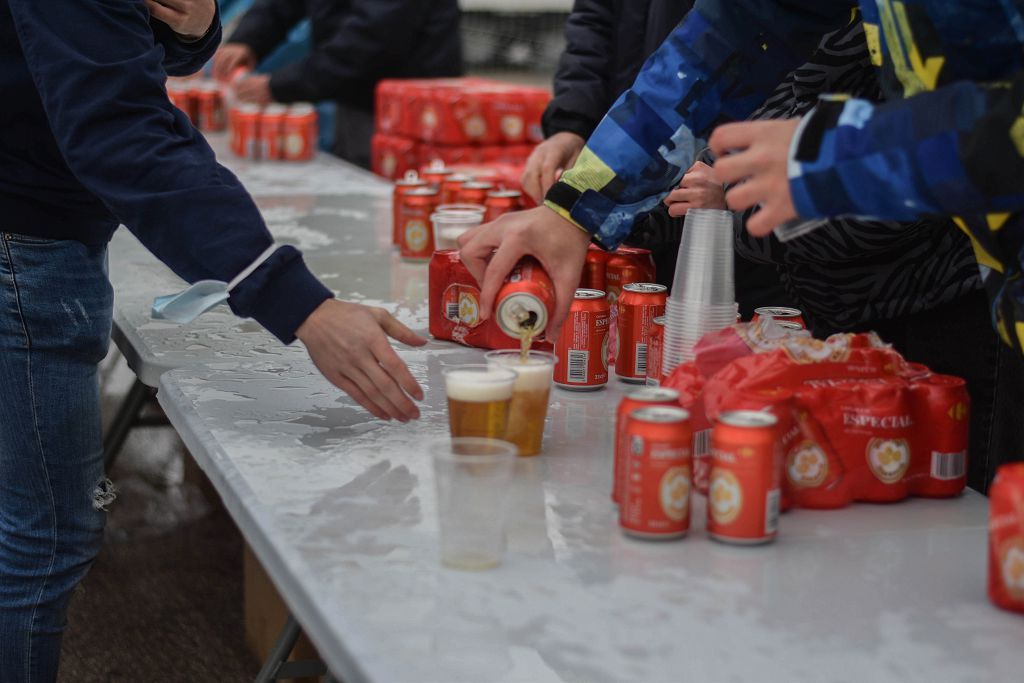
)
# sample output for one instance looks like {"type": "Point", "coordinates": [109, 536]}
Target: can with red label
{"type": "Point", "coordinates": [500, 202]}
{"type": "Point", "coordinates": [655, 345]}
{"type": "Point", "coordinates": [744, 488]}
{"type": "Point", "coordinates": [639, 304]}
{"type": "Point", "coordinates": [593, 275]}
{"type": "Point", "coordinates": [180, 95]}
{"type": "Point", "coordinates": [411, 181]}
{"type": "Point", "coordinates": [1006, 538]}
{"type": "Point", "coordinates": [781, 314]}
{"type": "Point", "coordinates": [526, 301]}
{"type": "Point", "coordinates": [474, 192]}
{"type": "Point", "coordinates": [581, 347]}
{"type": "Point", "coordinates": [210, 111]}
{"type": "Point", "coordinates": [656, 492]}
{"type": "Point", "coordinates": [436, 173]}
{"type": "Point", "coordinates": [300, 132]}
{"type": "Point", "coordinates": [416, 233]}
{"type": "Point", "coordinates": [634, 400]}
{"type": "Point", "coordinates": [247, 131]}
{"type": "Point", "coordinates": [624, 266]}
{"type": "Point", "coordinates": [451, 185]}
{"type": "Point", "coordinates": [942, 415]}
{"type": "Point", "coordinates": [272, 132]}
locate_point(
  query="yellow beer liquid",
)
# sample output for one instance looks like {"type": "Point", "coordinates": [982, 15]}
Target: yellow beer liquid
{"type": "Point", "coordinates": [527, 335]}
{"type": "Point", "coordinates": [487, 418]}
{"type": "Point", "coordinates": [526, 419]}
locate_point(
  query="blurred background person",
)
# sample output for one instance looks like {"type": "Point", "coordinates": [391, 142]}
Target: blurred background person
{"type": "Point", "coordinates": [354, 44]}
{"type": "Point", "coordinates": [607, 42]}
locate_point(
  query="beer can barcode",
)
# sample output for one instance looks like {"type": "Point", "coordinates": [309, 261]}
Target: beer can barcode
{"type": "Point", "coordinates": [702, 443]}
{"type": "Point", "coordinates": [451, 311]}
{"type": "Point", "coordinates": [771, 512]}
{"type": "Point", "coordinates": [948, 465]}
{"type": "Point", "coordinates": [641, 359]}
{"type": "Point", "coordinates": [579, 360]}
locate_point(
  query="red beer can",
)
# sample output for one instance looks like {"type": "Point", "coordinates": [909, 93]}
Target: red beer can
{"type": "Point", "coordinates": [416, 238]}
{"type": "Point", "coordinates": [639, 304]}
{"type": "Point", "coordinates": [581, 348]}
{"type": "Point", "coordinates": [744, 488]}
{"type": "Point", "coordinates": [593, 273]}
{"type": "Point", "coordinates": [500, 202]}
{"type": "Point", "coordinates": [634, 400]}
{"type": "Point", "coordinates": [411, 181]}
{"type": "Point", "coordinates": [624, 266]}
{"type": "Point", "coordinates": [1006, 538]}
{"type": "Point", "coordinates": [942, 415]}
{"type": "Point", "coordinates": [210, 111]}
{"type": "Point", "coordinates": [656, 492]}
{"type": "Point", "coordinates": [525, 302]}
{"type": "Point", "coordinates": [474, 192]}
{"type": "Point", "coordinates": [436, 173]}
{"type": "Point", "coordinates": [655, 345]}
{"type": "Point", "coordinates": [451, 185]}
{"type": "Point", "coordinates": [272, 132]}
{"type": "Point", "coordinates": [781, 313]}
{"type": "Point", "coordinates": [247, 131]}
{"type": "Point", "coordinates": [180, 95]}
{"type": "Point", "coordinates": [300, 132]}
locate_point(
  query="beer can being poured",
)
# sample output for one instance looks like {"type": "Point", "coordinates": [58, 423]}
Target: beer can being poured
{"type": "Point", "coordinates": [525, 302]}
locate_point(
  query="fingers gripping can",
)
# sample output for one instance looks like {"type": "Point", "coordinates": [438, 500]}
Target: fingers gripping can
{"type": "Point", "coordinates": [1006, 538]}
{"type": "Point", "coordinates": [525, 302]}
{"type": "Point", "coordinates": [634, 400]}
{"type": "Point", "coordinates": [582, 347]}
{"type": "Point", "coordinates": [744, 488]}
{"type": "Point", "coordinates": [639, 305]}
{"type": "Point", "coordinates": [656, 494]}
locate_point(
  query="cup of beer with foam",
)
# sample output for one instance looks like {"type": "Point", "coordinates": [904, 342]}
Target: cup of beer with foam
{"type": "Point", "coordinates": [479, 398]}
{"type": "Point", "coordinates": [530, 395]}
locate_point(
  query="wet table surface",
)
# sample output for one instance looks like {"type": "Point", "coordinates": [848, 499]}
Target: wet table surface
{"type": "Point", "coordinates": [341, 510]}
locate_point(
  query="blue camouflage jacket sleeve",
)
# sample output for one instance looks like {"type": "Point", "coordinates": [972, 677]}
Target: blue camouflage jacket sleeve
{"type": "Point", "coordinates": [718, 65]}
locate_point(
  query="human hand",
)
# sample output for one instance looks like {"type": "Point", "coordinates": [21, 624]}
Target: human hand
{"type": "Point", "coordinates": [255, 89]}
{"type": "Point", "coordinates": [190, 19]}
{"type": "Point", "coordinates": [560, 246]}
{"type": "Point", "coordinates": [697, 190]}
{"type": "Point", "coordinates": [756, 153]}
{"type": "Point", "coordinates": [348, 343]}
{"type": "Point", "coordinates": [229, 57]}
{"type": "Point", "coordinates": [548, 160]}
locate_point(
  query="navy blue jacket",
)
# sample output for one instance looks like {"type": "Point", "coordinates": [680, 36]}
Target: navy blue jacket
{"type": "Point", "coordinates": [355, 44]}
{"type": "Point", "coordinates": [607, 42]}
{"type": "Point", "coordinates": [88, 139]}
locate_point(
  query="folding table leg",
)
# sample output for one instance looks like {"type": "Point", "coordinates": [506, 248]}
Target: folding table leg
{"type": "Point", "coordinates": [277, 665]}
{"type": "Point", "coordinates": [123, 421]}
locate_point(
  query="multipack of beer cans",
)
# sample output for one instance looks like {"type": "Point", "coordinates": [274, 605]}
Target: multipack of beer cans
{"type": "Point", "coordinates": [454, 120]}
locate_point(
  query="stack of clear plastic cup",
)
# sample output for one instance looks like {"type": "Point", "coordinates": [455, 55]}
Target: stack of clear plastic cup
{"type": "Point", "coordinates": [703, 297]}
{"type": "Point", "coordinates": [451, 223]}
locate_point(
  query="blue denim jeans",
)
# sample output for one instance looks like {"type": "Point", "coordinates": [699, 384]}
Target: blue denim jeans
{"type": "Point", "coordinates": [55, 316]}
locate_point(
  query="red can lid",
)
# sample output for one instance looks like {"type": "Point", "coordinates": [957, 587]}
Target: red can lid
{"type": "Point", "coordinates": [660, 415]}
{"type": "Point", "coordinates": [748, 418]}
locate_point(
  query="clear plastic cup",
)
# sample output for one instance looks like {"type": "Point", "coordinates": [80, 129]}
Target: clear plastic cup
{"type": "Point", "coordinates": [473, 477]}
{"type": "Point", "coordinates": [704, 268]}
{"type": "Point", "coordinates": [462, 207]}
{"type": "Point", "coordinates": [530, 396]}
{"type": "Point", "coordinates": [449, 226]}
{"type": "Point", "coordinates": [479, 398]}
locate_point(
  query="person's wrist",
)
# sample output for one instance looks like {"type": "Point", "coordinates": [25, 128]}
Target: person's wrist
{"type": "Point", "coordinates": [308, 329]}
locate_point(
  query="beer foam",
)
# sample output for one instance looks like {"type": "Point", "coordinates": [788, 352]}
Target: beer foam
{"type": "Point", "coordinates": [533, 375]}
{"type": "Point", "coordinates": [477, 387]}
